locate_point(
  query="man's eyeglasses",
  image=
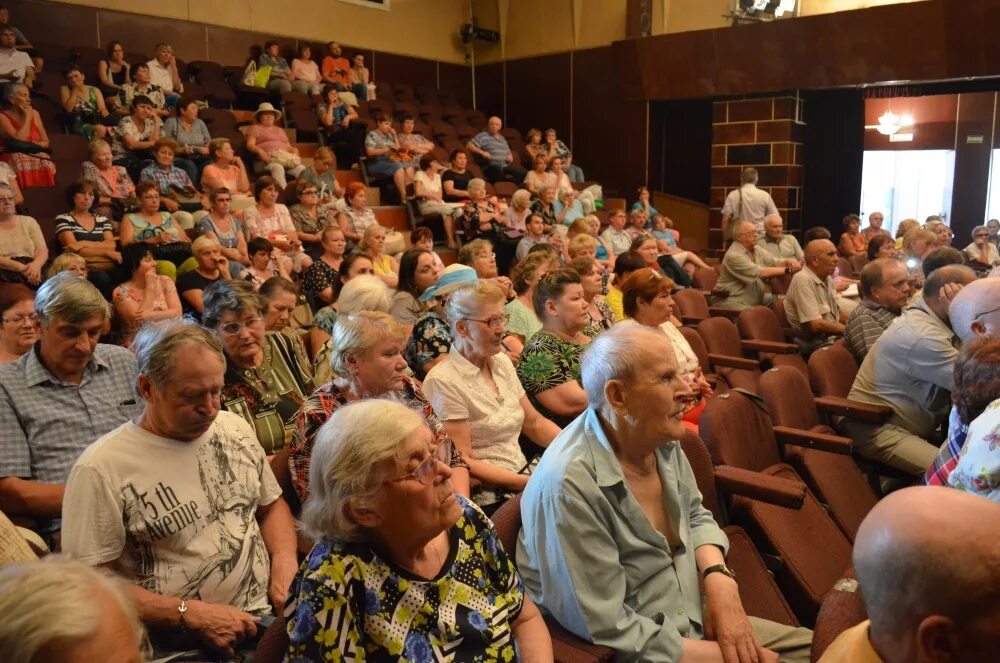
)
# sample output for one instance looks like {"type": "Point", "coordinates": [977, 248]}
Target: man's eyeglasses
{"type": "Point", "coordinates": [427, 470]}
{"type": "Point", "coordinates": [981, 235]}
{"type": "Point", "coordinates": [20, 319]}
{"type": "Point", "coordinates": [496, 323]}
{"type": "Point", "coordinates": [992, 310]}
{"type": "Point", "coordinates": [234, 328]}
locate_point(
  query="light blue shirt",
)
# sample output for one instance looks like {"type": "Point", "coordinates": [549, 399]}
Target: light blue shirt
{"type": "Point", "coordinates": [590, 557]}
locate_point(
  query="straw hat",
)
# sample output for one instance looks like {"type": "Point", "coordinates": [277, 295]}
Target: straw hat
{"type": "Point", "coordinates": [266, 107]}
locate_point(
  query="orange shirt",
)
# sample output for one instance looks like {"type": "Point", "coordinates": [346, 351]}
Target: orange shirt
{"type": "Point", "coordinates": [330, 67]}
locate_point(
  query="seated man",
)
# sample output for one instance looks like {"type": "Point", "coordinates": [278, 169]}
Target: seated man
{"type": "Point", "coordinates": [182, 503]}
{"type": "Point", "coordinates": [163, 74]}
{"type": "Point", "coordinates": [811, 302]}
{"type": "Point", "coordinates": [615, 537]}
{"type": "Point", "coordinates": [885, 289]}
{"type": "Point", "coordinates": [910, 369]}
{"type": "Point", "coordinates": [776, 242]}
{"type": "Point", "coordinates": [15, 66]}
{"type": "Point", "coordinates": [931, 591]}
{"type": "Point", "coordinates": [492, 148]}
{"type": "Point", "coordinates": [58, 398]}
{"type": "Point", "coordinates": [744, 267]}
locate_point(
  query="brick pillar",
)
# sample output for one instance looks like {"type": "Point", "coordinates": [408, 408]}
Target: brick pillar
{"type": "Point", "coordinates": [762, 133]}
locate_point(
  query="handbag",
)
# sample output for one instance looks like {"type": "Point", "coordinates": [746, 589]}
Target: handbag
{"type": "Point", "coordinates": [286, 159]}
{"type": "Point", "coordinates": [122, 206]}
{"type": "Point", "coordinates": [250, 75]}
{"type": "Point", "coordinates": [262, 76]}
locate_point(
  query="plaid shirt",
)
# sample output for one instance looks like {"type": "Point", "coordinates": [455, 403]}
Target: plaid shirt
{"type": "Point", "coordinates": [45, 424]}
{"type": "Point", "coordinates": [165, 180]}
{"type": "Point", "coordinates": [324, 401]}
{"type": "Point", "coordinates": [947, 458]}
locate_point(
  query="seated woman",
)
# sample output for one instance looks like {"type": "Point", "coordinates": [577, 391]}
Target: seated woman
{"type": "Point", "coordinates": [309, 217]}
{"type": "Point", "coordinates": [386, 266]}
{"type": "Point", "coordinates": [422, 238]}
{"type": "Point", "coordinates": [852, 242]}
{"type": "Point", "coordinates": [545, 208]}
{"type": "Point", "coordinates": [23, 251]}
{"type": "Point", "coordinates": [387, 158]}
{"type": "Point", "coordinates": [212, 267]}
{"type": "Point", "coordinates": [164, 236]}
{"type": "Point", "coordinates": [556, 148]}
{"type": "Point", "coordinates": [549, 368]}
{"type": "Point", "coordinates": [145, 296]}
{"type": "Point", "coordinates": [84, 104]}
{"type": "Point", "coordinates": [191, 135]}
{"type": "Point", "coordinates": [264, 381]}
{"type": "Point", "coordinates": [177, 193]}
{"type": "Point", "coordinates": [517, 212]}
{"type": "Point", "coordinates": [304, 73]}
{"type": "Point", "coordinates": [115, 190]}
{"type": "Point", "coordinates": [342, 132]}
{"type": "Point", "coordinates": [875, 228]}
{"type": "Point", "coordinates": [539, 176]}
{"type": "Point", "coordinates": [359, 77]}
{"type": "Point", "coordinates": [353, 265]}
{"type": "Point", "coordinates": [272, 220]}
{"type": "Point", "coordinates": [666, 244]}
{"type": "Point", "coordinates": [483, 219]}
{"type": "Point", "coordinates": [974, 467]}
{"type": "Point", "coordinates": [625, 264]}
{"type": "Point", "coordinates": [881, 246]}
{"type": "Point", "coordinates": [455, 180]}
{"type": "Point", "coordinates": [280, 71]}
{"type": "Point", "coordinates": [417, 273]}
{"type": "Point", "coordinates": [599, 315]}
{"type": "Point", "coordinates": [280, 297]}
{"type": "Point", "coordinates": [135, 136]}
{"type": "Point", "coordinates": [647, 301]}
{"type": "Point", "coordinates": [477, 395]}
{"type": "Point", "coordinates": [226, 229]}
{"type": "Point", "coordinates": [561, 178]}
{"type": "Point", "coordinates": [227, 171]}
{"type": "Point", "coordinates": [479, 255]}
{"type": "Point", "coordinates": [567, 206]}
{"type": "Point", "coordinates": [522, 321]}
{"type": "Point", "coordinates": [18, 324]}
{"type": "Point", "coordinates": [356, 217]}
{"type": "Point", "coordinates": [430, 196]}
{"type": "Point", "coordinates": [981, 250]}
{"type": "Point", "coordinates": [533, 143]}
{"type": "Point", "coordinates": [430, 340]}
{"type": "Point", "coordinates": [364, 292]}
{"type": "Point", "coordinates": [321, 280]}
{"type": "Point", "coordinates": [113, 71]}
{"type": "Point", "coordinates": [89, 235]}
{"type": "Point", "coordinates": [643, 203]}
{"type": "Point", "coordinates": [322, 174]}
{"type": "Point", "coordinates": [276, 156]}
{"type": "Point", "coordinates": [385, 514]}
{"type": "Point", "coordinates": [68, 262]}
{"type": "Point", "coordinates": [141, 86]}
{"type": "Point", "coordinates": [414, 143]}
{"type": "Point", "coordinates": [361, 345]}
{"type": "Point", "coordinates": [21, 128]}
{"type": "Point", "coordinates": [263, 263]}
{"type": "Point", "coordinates": [645, 246]}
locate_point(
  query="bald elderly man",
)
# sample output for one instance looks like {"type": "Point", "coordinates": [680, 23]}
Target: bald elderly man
{"type": "Point", "coordinates": [776, 242]}
{"type": "Point", "coordinates": [744, 268]}
{"type": "Point", "coordinates": [811, 301]}
{"type": "Point", "coordinates": [932, 591]}
{"type": "Point", "coordinates": [491, 149]}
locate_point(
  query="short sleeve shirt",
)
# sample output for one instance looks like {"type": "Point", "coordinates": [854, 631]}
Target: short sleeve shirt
{"type": "Point", "coordinates": [496, 145]}
{"type": "Point", "coordinates": [741, 275]}
{"type": "Point", "coordinates": [67, 223]}
{"type": "Point", "coordinates": [547, 362]}
{"type": "Point", "coordinates": [523, 320]}
{"type": "Point", "coordinates": [810, 298]}
{"type": "Point", "coordinates": [618, 240]}
{"type": "Point", "coordinates": [278, 223]}
{"type": "Point", "coordinates": [755, 205]}
{"type": "Point", "coordinates": [459, 180]}
{"type": "Point", "coordinates": [786, 247]}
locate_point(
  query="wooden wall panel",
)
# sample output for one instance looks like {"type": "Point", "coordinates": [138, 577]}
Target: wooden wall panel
{"type": "Point", "coordinates": [51, 23]}
{"type": "Point", "coordinates": [142, 35]}
{"type": "Point", "coordinates": [538, 93]}
{"type": "Point", "coordinates": [489, 88]}
{"type": "Point", "coordinates": [457, 78]}
{"type": "Point", "coordinates": [934, 122]}
{"type": "Point", "coordinates": [403, 69]}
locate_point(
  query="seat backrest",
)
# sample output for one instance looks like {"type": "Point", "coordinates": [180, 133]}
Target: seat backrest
{"type": "Point", "coordinates": [789, 401]}
{"type": "Point", "coordinates": [832, 369]}
{"type": "Point", "coordinates": [691, 302]}
{"type": "Point", "coordinates": [505, 189]}
{"type": "Point", "coordinates": [846, 268]}
{"type": "Point", "coordinates": [842, 609]}
{"type": "Point", "coordinates": [507, 523]}
{"type": "Point", "coordinates": [697, 346]}
{"type": "Point", "coordinates": [779, 311]}
{"type": "Point", "coordinates": [705, 278]}
{"type": "Point", "coordinates": [704, 473]}
{"type": "Point", "coordinates": [760, 323]}
{"type": "Point", "coordinates": [738, 432]}
{"type": "Point", "coordinates": [721, 336]}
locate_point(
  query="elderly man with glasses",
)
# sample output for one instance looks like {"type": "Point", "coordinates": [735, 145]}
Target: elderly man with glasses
{"type": "Point", "coordinates": [744, 268]}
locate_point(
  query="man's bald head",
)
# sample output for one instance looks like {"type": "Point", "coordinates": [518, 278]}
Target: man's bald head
{"type": "Point", "coordinates": [974, 311]}
{"type": "Point", "coordinates": [821, 257]}
{"type": "Point", "coordinates": [927, 560]}
{"type": "Point", "coordinates": [939, 286]}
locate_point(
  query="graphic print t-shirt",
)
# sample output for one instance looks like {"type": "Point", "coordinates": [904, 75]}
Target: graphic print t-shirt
{"type": "Point", "coordinates": [178, 516]}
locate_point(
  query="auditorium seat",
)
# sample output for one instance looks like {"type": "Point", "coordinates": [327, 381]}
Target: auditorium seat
{"type": "Point", "coordinates": [725, 351]}
{"type": "Point", "coordinates": [505, 189]}
{"type": "Point", "coordinates": [407, 107]}
{"type": "Point", "coordinates": [694, 307]}
{"type": "Point", "coordinates": [217, 119]}
{"type": "Point", "coordinates": [719, 383]}
{"type": "Point", "coordinates": [705, 278]}
{"type": "Point", "coordinates": [842, 609]}
{"type": "Point", "coordinates": [762, 333]}
{"type": "Point", "coordinates": [512, 135]}
{"type": "Point", "coordinates": [832, 369]}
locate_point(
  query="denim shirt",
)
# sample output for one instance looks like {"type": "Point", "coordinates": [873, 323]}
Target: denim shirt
{"type": "Point", "coordinates": [590, 557]}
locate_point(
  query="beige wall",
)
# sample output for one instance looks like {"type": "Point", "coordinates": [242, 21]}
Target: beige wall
{"type": "Point", "coordinates": [422, 28]}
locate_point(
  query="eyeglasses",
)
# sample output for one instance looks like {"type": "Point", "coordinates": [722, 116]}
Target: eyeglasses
{"type": "Point", "coordinates": [309, 192]}
{"type": "Point", "coordinates": [992, 310]}
{"type": "Point", "coordinates": [20, 319]}
{"type": "Point", "coordinates": [978, 235]}
{"type": "Point", "coordinates": [495, 323]}
{"type": "Point", "coordinates": [5, 199]}
{"type": "Point", "coordinates": [234, 328]}
{"type": "Point", "coordinates": [223, 200]}
{"type": "Point", "coordinates": [486, 256]}
{"type": "Point", "coordinates": [427, 470]}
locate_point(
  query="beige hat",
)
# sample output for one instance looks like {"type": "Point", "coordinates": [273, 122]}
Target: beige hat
{"type": "Point", "coordinates": [266, 107]}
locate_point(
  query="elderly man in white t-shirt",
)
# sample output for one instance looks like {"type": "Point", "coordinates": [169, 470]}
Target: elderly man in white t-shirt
{"type": "Point", "coordinates": [182, 503]}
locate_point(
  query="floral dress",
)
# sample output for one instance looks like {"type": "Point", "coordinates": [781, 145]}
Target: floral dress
{"type": "Point", "coordinates": [348, 604]}
{"type": "Point", "coordinates": [430, 339]}
{"type": "Point", "coordinates": [547, 362]}
{"type": "Point", "coordinates": [548, 214]}
{"type": "Point", "coordinates": [595, 327]}
{"type": "Point", "coordinates": [83, 117]}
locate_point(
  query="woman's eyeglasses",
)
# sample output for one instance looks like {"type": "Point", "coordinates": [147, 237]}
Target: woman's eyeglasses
{"type": "Point", "coordinates": [427, 470]}
{"type": "Point", "coordinates": [21, 319]}
{"type": "Point", "coordinates": [234, 328]}
{"type": "Point", "coordinates": [496, 323]}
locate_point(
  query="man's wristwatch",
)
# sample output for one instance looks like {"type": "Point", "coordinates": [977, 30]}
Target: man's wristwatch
{"type": "Point", "coordinates": [718, 568]}
{"type": "Point", "coordinates": [182, 608]}
{"type": "Point", "coordinates": [788, 269]}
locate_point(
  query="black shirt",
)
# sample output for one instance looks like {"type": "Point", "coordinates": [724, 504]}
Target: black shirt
{"type": "Point", "coordinates": [461, 182]}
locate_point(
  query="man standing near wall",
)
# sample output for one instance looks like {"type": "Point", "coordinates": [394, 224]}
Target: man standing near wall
{"type": "Point", "coordinates": [748, 203]}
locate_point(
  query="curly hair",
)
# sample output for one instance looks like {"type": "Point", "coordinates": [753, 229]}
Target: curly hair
{"type": "Point", "coordinates": [977, 378]}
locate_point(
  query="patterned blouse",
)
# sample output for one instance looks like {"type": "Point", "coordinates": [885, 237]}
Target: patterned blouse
{"type": "Point", "coordinates": [595, 327]}
{"type": "Point", "coordinates": [348, 604]}
{"type": "Point", "coordinates": [431, 338]}
{"type": "Point", "coordinates": [320, 276]}
{"type": "Point", "coordinates": [321, 405]}
{"type": "Point", "coordinates": [359, 221]}
{"type": "Point", "coordinates": [146, 231]}
{"type": "Point", "coordinates": [114, 184]}
{"type": "Point", "coordinates": [471, 213]}
{"type": "Point", "coordinates": [547, 362]}
{"type": "Point", "coordinates": [269, 396]}
{"type": "Point", "coordinates": [304, 221]}
{"type": "Point", "coordinates": [978, 468]}
{"type": "Point", "coordinates": [548, 214]}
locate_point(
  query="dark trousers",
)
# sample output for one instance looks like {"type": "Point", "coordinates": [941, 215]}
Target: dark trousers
{"type": "Point", "coordinates": [347, 144]}
{"type": "Point", "coordinates": [510, 172]}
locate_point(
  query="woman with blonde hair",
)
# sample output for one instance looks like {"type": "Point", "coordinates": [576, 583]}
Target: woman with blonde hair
{"type": "Point", "coordinates": [517, 212]}
{"type": "Point", "coordinates": [533, 143]}
{"type": "Point", "coordinates": [539, 176]}
{"type": "Point", "coordinates": [227, 171]}
{"type": "Point", "coordinates": [68, 262]}
{"type": "Point", "coordinates": [372, 244]}
{"type": "Point", "coordinates": [567, 206]}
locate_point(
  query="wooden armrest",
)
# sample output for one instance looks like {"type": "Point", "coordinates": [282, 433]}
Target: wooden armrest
{"type": "Point", "coordinates": [813, 440]}
{"type": "Point", "coordinates": [774, 347]}
{"type": "Point", "coordinates": [721, 294]}
{"type": "Point", "coordinates": [757, 486]}
{"type": "Point", "coordinates": [718, 311]}
{"type": "Point", "coordinates": [733, 362]}
{"type": "Point", "coordinates": [845, 407]}
{"type": "Point", "coordinates": [691, 320]}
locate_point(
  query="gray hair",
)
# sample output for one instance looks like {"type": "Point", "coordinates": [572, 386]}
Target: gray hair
{"type": "Point", "coordinates": [475, 184]}
{"type": "Point", "coordinates": [155, 345]}
{"type": "Point", "coordinates": [977, 229]}
{"type": "Point", "coordinates": [355, 451]}
{"type": "Point", "coordinates": [52, 600]}
{"type": "Point", "coordinates": [972, 301]}
{"type": "Point", "coordinates": [467, 301]}
{"type": "Point", "coordinates": [229, 296]}
{"type": "Point", "coordinates": [13, 89]}
{"type": "Point", "coordinates": [748, 176]}
{"type": "Point", "coordinates": [365, 292]}
{"type": "Point", "coordinates": [204, 243]}
{"type": "Point", "coordinates": [70, 298]}
{"type": "Point", "coordinates": [354, 335]}
{"type": "Point", "coordinates": [614, 355]}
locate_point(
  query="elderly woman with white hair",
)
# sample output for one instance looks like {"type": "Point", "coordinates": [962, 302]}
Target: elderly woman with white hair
{"type": "Point", "coordinates": [430, 339]}
{"type": "Point", "coordinates": [517, 212]}
{"type": "Point", "coordinates": [403, 567]}
{"type": "Point", "coordinates": [363, 292]}
{"type": "Point", "coordinates": [981, 250]}
{"type": "Point", "coordinates": [61, 610]}
{"type": "Point", "coordinates": [212, 267]}
{"type": "Point", "coordinates": [476, 393]}
{"type": "Point", "coordinates": [23, 251]}
{"type": "Point", "coordinates": [266, 380]}
{"type": "Point", "coordinates": [567, 206]}
{"type": "Point", "coordinates": [616, 543]}
{"type": "Point", "coordinates": [366, 361]}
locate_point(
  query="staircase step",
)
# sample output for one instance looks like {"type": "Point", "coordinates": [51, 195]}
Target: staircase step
{"type": "Point", "coordinates": [346, 176]}
{"type": "Point", "coordinates": [394, 217]}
